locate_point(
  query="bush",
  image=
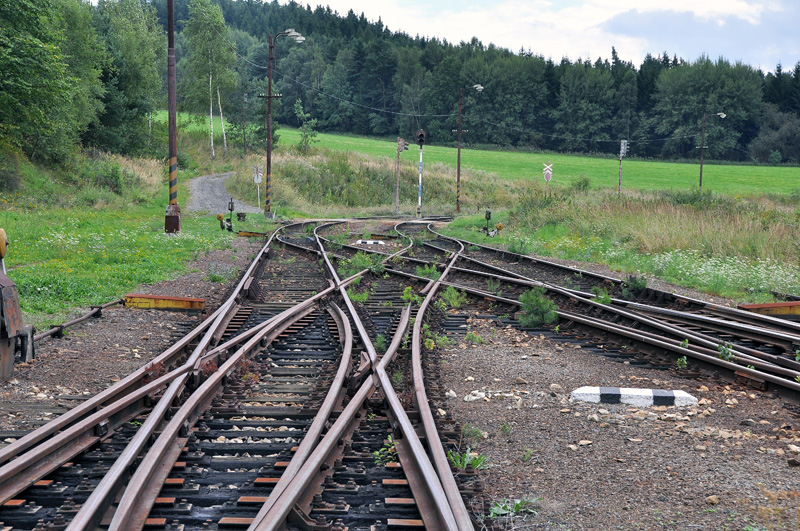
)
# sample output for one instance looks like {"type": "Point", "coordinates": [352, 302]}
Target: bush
{"type": "Point", "coordinates": [453, 297]}
{"type": "Point", "coordinates": [428, 271]}
{"type": "Point", "coordinates": [601, 295]}
{"type": "Point", "coordinates": [537, 310]}
{"type": "Point", "coordinates": [9, 167]}
{"type": "Point", "coordinates": [360, 262]}
{"type": "Point", "coordinates": [775, 157]}
{"type": "Point", "coordinates": [633, 287]}
{"type": "Point", "coordinates": [581, 184]}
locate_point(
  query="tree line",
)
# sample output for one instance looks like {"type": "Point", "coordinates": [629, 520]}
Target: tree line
{"type": "Point", "coordinates": [82, 75]}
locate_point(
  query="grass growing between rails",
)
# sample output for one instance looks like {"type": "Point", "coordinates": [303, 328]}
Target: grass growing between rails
{"type": "Point", "coordinates": [732, 247]}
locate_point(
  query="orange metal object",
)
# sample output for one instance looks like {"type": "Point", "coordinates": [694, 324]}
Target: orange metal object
{"type": "Point", "coordinates": [783, 310]}
{"type": "Point", "coordinates": [161, 302]}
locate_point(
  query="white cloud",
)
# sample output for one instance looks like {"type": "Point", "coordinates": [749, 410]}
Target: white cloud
{"type": "Point", "coordinates": [572, 28]}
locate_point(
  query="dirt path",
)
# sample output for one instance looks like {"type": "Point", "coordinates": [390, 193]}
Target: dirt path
{"type": "Point", "coordinates": [208, 194]}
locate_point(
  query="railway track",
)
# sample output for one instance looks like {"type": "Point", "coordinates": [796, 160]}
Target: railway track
{"type": "Point", "coordinates": [277, 410]}
{"type": "Point", "coordinates": [305, 401]}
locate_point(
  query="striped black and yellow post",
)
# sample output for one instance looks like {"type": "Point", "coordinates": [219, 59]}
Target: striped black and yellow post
{"type": "Point", "coordinates": [172, 220]}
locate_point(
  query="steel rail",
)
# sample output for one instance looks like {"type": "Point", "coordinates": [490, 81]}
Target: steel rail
{"type": "Point", "coordinates": [133, 381]}
{"type": "Point", "coordinates": [438, 492]}
{"type": "Point", "coordinates": [25, 470]}
{"type": "Point", "coordinates": [637, 335]}
{"type": "Point", "coordinates": [312, 437]}
{"type": "Point", "coordinates": [31, 466]}
{"type": "Point", "coordinates": [272, 516]}
{"type": "Point", "coordinates": [711, 307]}
{"type": "Point", "coordinates": [111, 484]}
{"type": "Point", "coordinates": [763, 335]}
{"type": "Point", "coordinates": [95, 311]}
{"type": "Point", "coordinates": [464, 522]}
{"type": "Point", "coordinates": [145, 484]}
{"type": "Point", "coordinates": [274, 513]}
{"type": "Point", "coordinates": [744, 354]}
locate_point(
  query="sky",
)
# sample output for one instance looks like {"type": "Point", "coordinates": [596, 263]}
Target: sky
{"type": "Point", "coordinates": [760, 33]}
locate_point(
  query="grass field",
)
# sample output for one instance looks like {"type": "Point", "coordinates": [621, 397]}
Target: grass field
{"type": "Point", "coordinates": [78, 244]}
{"type": "Point", "coordinates": [603, 172]}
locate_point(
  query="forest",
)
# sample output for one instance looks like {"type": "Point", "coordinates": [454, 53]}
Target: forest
{"type": "Point", "coordinates": [78, 76]}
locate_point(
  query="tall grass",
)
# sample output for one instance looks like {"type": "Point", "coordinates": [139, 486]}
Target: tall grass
{"type": "Point", "coordinates": [737, 247]}
{"type": "Point", "coordinates": [341, 183]}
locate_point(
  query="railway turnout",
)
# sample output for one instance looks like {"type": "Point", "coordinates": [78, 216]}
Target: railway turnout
{"type": "Point", "coordinates": [307, 400]}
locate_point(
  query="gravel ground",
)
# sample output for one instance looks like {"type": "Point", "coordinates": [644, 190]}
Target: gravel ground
{"type": "Point", "coordinates": [208, 194]}
{"type": "Point", "coordinates": [721, 465]}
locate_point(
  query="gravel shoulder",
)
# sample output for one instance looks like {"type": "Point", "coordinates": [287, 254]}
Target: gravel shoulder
{"type": "Point", "coordinates": [720, 465]}
{"type": "Point", "coordinates": [208, 194]}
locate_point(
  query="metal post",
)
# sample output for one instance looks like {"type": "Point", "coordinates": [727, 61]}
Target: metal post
{"type": "Point", "coordinates": [458, 164]}
{"type": "Point", "coordinates": [419, 198]}
{"type": "Point", "coordinates": [268, 191]}
{"type": "Point", "coordinates": [397, 173]}
{"type": "Point", "coordinates": [172, 219]}
{"type": "Point", "coordinates": [702, 148]}
{"type": "Point", "coordinates": [244, 122]}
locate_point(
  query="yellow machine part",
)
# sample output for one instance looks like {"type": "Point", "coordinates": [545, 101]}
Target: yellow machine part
{"type": "Point", "coordinates": [3, 244]}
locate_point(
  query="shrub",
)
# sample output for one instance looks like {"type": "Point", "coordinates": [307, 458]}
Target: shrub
{"type": "Point", "coordinates": [360, 262]}
{"type": "Point", "coordinates": [428, 271]}
{"type": "Point", "coordinates": [537, 310]}
{"type": "Point", "coordinates": [633, 287]}
{"type": "Point", "coordinates": [601, 295]}
{"type": "Point", "coordinates": [462, 461]}
{"type": "Point", "coordinates": [581, 184]}
{"type": "Point", "coordinates": [380, 344]}
{"type": "Point", "coordinates": [453, 297]}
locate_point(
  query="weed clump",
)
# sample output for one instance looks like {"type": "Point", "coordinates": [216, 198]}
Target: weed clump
{"type": "Point", "coordinates": [428, 271]}
{"type": "Point", "coordinates": [453, 297]}
{"type": "Point", "coordinates": [537, 310]}
{"type": "Point", "coordinates": [633, 287]}
{"type": "Point", "coordinates": [360, 262]}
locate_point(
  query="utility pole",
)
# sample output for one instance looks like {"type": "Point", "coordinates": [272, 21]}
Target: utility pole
{"type": "Point", "coordinates": [420, 140]}
{"type": "Point", "coordinates": [402, 145]}
{"type": "Point", "coordinates": [703, 144]}
{"type": "Point", "coordinates": [478, 88]}
{"type": "Point", "coordinates": [270, 58]}
{"type": "Point", "coordinates": [244, 122]}
{"type": "Point", "coordinates": [172, 219]}
{"type": "Point", "coordinates": [458, 163]}
{"type": "Point", "coordinates": [268, 187]}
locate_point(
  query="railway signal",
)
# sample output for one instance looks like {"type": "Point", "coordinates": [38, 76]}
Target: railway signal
{"type": "Point", "coordinates": [402, 145]}
{"type": "Point", "coordinates": [548, 173]}
{"type": "Point", "coordinates": [623, 150]}
{"type": "Point", "coordinates": [257, 180]}
{"type": "Point", "coordinates": [420, 136]}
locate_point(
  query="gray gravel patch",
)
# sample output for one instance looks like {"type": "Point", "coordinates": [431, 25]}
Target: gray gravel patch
{"type": "Point", "coordinates": [208, 194]}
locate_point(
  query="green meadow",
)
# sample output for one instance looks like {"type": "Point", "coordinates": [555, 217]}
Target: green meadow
{"type": "Point", "coordinates": [93, 231]}
{"type": "Point", "coordinates": [603, 172]}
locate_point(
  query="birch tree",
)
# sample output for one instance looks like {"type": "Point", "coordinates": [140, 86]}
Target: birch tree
{"type": "Point", "coordinates": [210, 62]}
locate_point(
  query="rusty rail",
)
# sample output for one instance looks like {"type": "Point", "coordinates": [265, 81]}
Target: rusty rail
{"type": "Point", "coordinates": [106, 410]}
{"type": "Point", "coordinates": [96, 311]}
